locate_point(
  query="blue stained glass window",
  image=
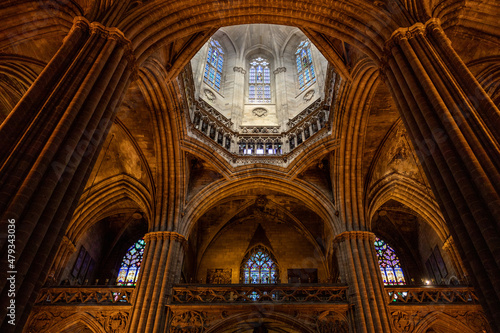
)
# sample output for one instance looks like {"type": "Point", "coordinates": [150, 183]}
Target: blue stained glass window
{"type": "Point", "coordinates": [305, 67]}
{"type": "Point", "coordinates": [259, 266]}
{"type": "Point", "coordinates": [131, 263]}
{"type": "Point", "coordinates": [214, 65]}
{"type": "Point", "coordinates": [390, 268]}
{"type": "Point", "coordinates": [259, 89]}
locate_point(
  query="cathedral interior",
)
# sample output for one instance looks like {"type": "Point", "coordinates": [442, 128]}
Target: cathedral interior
{"type": "Point", "coordinates": [250, 166]}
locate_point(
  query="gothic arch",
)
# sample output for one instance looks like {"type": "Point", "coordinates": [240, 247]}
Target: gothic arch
{"type": "Point", "coordinates": [207, 198]}
{"type": "Point", "coordinates": [104, 199]}
{"type": "Point", "coordinates": [410, 193]}
{"type": "Point", "coordinates": [249, 316]}
{"type": "Point", "coordinates": [442, 321]}
{"type": "Point", "coordinates": [79, 319]}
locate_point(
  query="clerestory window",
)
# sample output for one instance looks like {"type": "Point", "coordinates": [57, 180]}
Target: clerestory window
{"type": "Point", "coordinates": [305, 68]}
{"type": "Point", "coordinates": [259, 81]}
{"type": "Point", "coordinates": [131, 263]}
{"type": "Point", "coordinates": [392, 273]}
{"type": "Point", "coordinates": [214, 65]}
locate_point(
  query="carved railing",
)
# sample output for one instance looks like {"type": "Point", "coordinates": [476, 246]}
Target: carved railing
{"type": "Point", "coordinates": [85, 295]}
{"type": "Point", "coordinates": [245, 293]}
{"type": "Point", "coordinates": [432, 295]}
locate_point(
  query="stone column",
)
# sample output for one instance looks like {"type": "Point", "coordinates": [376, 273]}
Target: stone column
{"type": "Point", "coordinates": [451, 249]}
{"type": "Point", "coordinates": [50, 142]}
{"type": "Point", "coordinates": [359, 268]}
{"type": "Point", "coordinates": [66, 249]}
{"type": "Point", "coordinates": [455, 128]}
{"type": "Point", "coordinates": [238, 96]}
{"type": "Point", "coordinates": [161, 267]}
{"type": "Point", "coordinates": [281, 97]}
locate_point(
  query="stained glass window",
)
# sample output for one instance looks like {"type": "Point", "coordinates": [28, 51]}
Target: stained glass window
{"type": "Point", "coordinates": [131, 263]}
{"type": "Point", "coordinates": [392, 273]}
{"type": "Point", "coordinates": [214, 65]}
{"type": "Point", "coordinates": [259, 266]}
{"type": "Point", "coordinates": [259, 81]}
{"type": "Point", "coordinates": [305, 67]}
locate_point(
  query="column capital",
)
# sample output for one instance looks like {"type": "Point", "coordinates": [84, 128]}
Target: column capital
{"type": "Point", "coordinates": [354, 235]}
{"type": "Point", "coordinates": [66, 242]}
{"type": "Point", "coordinates": [279, 70]}
{"type": "Point", "coordinates": [418, 28]}
{"type": "Point", "coordinates": [448, 243]}
{"type": "Point", "coordinates": [109, 33]}
{"type": "Point", "coordinates": [164, 235]}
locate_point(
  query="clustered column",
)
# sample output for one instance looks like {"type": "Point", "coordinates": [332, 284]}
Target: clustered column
{"type": "Point", "coordinates": [49, 144]}
{"type": "Point", "coordinates": [454, 127]}
{"type": "Point", "coordinates": [359, 268]}
{"type": "Point", "coordinates": [161, 267]}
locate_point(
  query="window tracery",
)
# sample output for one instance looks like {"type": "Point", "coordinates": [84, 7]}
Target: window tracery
{"type": "Point", "coordinates": [214, 65]}
{"type": "Point", "coordinates": [390, 268]}
{"type": "Point", "coordinates": [131, 264]}
{"type": "Point", "coordinates": [259, 87]}
{"type": "Point", "coordinates": [305, 67]}
{"type": "Point", "coordinates": [259, 266]}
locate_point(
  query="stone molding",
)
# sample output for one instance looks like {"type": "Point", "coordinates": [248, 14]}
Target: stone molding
{"type": "Point", "coordinates": [164, 235]}
{"type": "Point", "coordinates": [279, 70]}
{"type": "Point", "coordinates": [239, 70]}
{"type": "Point", "coordinates": [110, 33]}
{"type": "Point", "coordinates": [354, 235]}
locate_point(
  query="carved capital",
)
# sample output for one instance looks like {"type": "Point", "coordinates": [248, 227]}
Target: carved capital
{"type": "Point", "coordinates": [164, 235]}
{"type": "Point", "coordinates": [68, 245]}
{"type": "Point", "coordinates": [279, 70]}
{"type": "Point", "coordinates": [239, 70]}
{"type": "Point", "coordinates": [354, 235]}
{"type": "Point", "coordinates": [406, 33]}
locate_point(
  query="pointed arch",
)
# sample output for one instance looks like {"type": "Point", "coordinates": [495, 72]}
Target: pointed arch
{"type": "Point", "coordinates": [259, 265]}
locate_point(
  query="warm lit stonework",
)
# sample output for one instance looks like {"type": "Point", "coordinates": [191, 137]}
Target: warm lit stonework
{"type": "Point", "coordinates": [249, 166]}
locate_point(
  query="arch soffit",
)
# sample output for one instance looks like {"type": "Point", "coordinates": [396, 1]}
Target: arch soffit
{"type": "Point", "coordinates": [413, 195]}
{"type": "Point", "coordinates": [298, 224]}
{"type": "Point", "coordinates": [83, 318]}
{"type": "Point", "coordinates": [232, 320]}
{"type": "Point", "coordinates": [361, 24]}
{"type": "Point", "coordinates": [103, 200]}
{"type": "Point", "coordinates": [208, 198]}
{"type": "Point", "coordinates": [444, 320]}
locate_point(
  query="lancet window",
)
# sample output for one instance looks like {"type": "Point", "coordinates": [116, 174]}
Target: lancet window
{"type": "Point", "coordinates": [390, 267]}
{"type": "Point", "coordinates": [259, 81]}
{"type": "Point", "coordinates": [214, 65]}
{"type": "Point", "coordinates": [305, 67]}
{"type": "Point", "coordinates": [259, 266]}
{"type": "Point", "coordinates": [131, 263]}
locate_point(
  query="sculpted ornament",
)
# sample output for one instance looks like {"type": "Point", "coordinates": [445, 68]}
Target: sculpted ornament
{"type": "Point", "coordinates": [259, 112]}
{"type": "Point", "coordinates": [309, 95]}
{"type": "Point", "coordinates": [210, 95]}
{"type": "Point", "coordinates": [331, 322]}
{"type": "Point", "coordinates": [189, 321]}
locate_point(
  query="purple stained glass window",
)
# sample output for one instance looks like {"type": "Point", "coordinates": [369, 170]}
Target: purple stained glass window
{"type": "Point", "coordinates": [131, 263]}
{"type": "Point", "coordinates": [259, 266]}
{"type": "Point", "coordinates": [390, 268]}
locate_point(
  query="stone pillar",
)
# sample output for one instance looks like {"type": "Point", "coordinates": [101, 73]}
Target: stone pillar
{"type": "Point", "coordinates": [281, 97]}
{"type": "Point", "coordinates": [358, 264]}
{"type": "Point", "coordinates": [161, 267]}
{"type": "Point", "coordinates": [50, 142]}
{"type": "Point", "coordinates": [456, 261]}
{"type": "Point", "coordinates": [239, 99]}
{"type": "Point", "coordinates": [66, 249]}
{"type": "Point", "coordinates": [455, 128]}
